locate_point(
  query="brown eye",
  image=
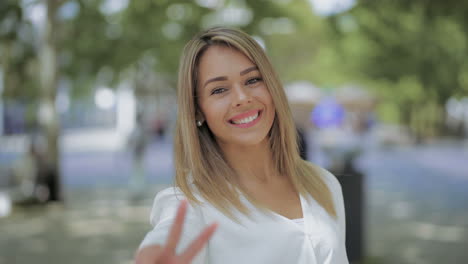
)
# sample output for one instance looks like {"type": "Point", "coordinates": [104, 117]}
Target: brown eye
{"type": "Point", "coordinates": [253, 81]}
{"type": "Point", "coordinates": [218, 90]}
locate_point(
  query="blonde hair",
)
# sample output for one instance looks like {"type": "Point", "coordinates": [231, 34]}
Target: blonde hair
{"type": "Point", "coordinates": [199, 163]}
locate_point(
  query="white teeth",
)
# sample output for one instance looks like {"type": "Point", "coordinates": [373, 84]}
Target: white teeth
{"type": "Point", "coordinates": [246, 120]}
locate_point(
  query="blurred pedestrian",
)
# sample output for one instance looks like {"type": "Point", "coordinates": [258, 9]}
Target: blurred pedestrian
{"type": "Point", "coordinates": [238, 165]}
{"type": "Point", "coordinates": [29, 175]}
{"type": "Point", "coordinates": [138, 143]}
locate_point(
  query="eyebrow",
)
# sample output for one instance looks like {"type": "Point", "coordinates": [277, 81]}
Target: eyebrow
{"type": "Point", "coordinates": [224, 78]}
{"type": "Point", "coordinates": [244, 72]}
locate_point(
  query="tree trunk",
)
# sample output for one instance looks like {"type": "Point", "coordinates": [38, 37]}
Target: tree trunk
{"type": "Point", "coordinates": [48, 116]}
{"type": "Point", "coordinates": [5, 63]}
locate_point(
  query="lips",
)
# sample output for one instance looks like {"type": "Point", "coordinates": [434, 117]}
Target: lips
{"type": "Point", "coordinates": [244, 115]}
{"type": "Point", "coordinates": [247, 119]}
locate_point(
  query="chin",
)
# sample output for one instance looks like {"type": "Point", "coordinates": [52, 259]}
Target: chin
{"type": "Point", "coordinates": [249, 141]}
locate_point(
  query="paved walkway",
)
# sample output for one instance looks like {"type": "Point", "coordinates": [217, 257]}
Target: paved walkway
{"type": "Point", "coordinates": [416, 203]}
{"type": "Point", "coordinates": [94, 226]}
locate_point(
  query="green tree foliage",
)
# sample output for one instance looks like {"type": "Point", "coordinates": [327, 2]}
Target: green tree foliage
{"type": "Point", "coordinates": [411, 53]}
{"type": "Point", "coordinates": [99, 39]}
{"type": "Point", "coordinates": [17, 52]}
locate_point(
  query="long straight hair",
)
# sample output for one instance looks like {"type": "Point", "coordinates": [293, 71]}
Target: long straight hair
{"type": "Point", "coordinates": [199, 162]}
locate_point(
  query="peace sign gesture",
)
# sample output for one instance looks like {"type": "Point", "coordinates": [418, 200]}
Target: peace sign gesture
{"type": "Point", "coordinates": [166, 254]}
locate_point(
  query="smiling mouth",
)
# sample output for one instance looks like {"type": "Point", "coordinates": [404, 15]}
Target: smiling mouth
{"type": "Point", "coordinates": [246, 120]}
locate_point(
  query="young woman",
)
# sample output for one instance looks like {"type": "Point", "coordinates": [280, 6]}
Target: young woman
{"type": "Point", "coordinates": [238, 166]}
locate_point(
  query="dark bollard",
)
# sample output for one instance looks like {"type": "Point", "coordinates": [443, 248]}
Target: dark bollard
{"type": "Point", "coordinates": [352, 182]}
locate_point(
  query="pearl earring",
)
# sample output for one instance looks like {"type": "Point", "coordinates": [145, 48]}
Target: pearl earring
{"type": "Point", "coordinates": [199, 123]}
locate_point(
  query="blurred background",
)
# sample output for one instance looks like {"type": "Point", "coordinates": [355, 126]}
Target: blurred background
{"type": "Point", "coordinates": [379, 92]}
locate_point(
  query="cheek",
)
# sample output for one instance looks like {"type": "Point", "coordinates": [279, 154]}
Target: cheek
{"type": "Point", "coordinates": [214, 112]}
{"type": "Point", "coordinates": [268, 101]}
{"type": "Point", "coordinates": [266, 98]}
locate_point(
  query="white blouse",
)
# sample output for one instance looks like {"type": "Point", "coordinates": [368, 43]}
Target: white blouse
{"type": "Point", "coordinates": [261, 238]}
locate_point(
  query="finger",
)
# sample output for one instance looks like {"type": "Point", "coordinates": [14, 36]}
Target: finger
{"type": "Point", "coordinates": [148, 254]}
{"type": "Point", "coordinates": [176, 229]}
{"type": "Point", "coordinates": [198, 243]}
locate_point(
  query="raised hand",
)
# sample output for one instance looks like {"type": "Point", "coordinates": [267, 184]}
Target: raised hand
{"type": "Point", "coordinates": [166, 254]}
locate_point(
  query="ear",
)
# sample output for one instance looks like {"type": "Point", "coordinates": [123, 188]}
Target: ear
{"type": "Point", "coordinates": [199, 116]}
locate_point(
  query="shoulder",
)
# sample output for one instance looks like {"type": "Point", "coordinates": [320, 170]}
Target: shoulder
{"type": "Point", "coordinates": [330, 179]}
{"type": "Point", "coordinates": [163, 215]}
{"type": "Point", "coordinates": [165, 205]}
{"type": "Point", "coordinates": [337, 196]}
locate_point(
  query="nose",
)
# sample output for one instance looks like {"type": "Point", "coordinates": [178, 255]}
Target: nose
{"type": "Point", "coordinates": [242, 95]}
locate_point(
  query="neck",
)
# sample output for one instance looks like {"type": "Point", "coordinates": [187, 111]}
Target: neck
{"type": "Point", "coordinates": [251, 163]}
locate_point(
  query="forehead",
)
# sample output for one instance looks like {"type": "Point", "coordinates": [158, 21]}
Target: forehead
{"type": "Point", "coordinates": [222, 61]}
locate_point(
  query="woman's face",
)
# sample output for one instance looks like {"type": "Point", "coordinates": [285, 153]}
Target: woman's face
{"type": "Point", "coordinates": [233, 99]}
